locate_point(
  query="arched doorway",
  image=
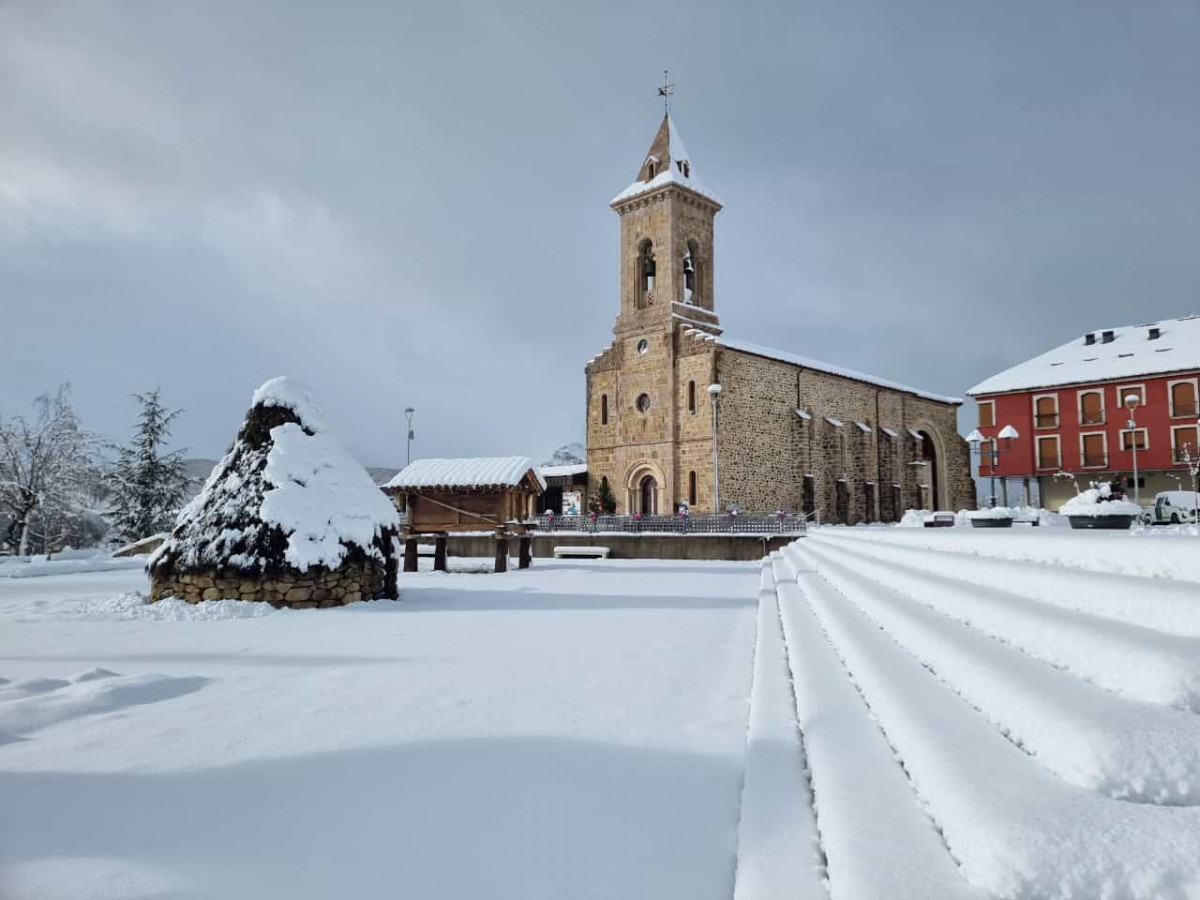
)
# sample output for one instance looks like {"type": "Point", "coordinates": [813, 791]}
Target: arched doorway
{"type": "Point", "coordinates": [648, 496]}
{"type": "Point", "coordinates": [929, 454]}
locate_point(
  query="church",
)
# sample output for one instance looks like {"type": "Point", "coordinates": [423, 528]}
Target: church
{"type": "Point", "coordinates": [679, 413]}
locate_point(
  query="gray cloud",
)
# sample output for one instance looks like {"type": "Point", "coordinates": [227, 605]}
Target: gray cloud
{"type": "Point", "coordinates": [409, 207]}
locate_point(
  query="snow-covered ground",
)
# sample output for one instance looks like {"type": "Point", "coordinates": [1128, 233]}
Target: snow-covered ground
{"type": "Point", "coordinates": [890, 713]}
{"type": "Point", "coordinates": [979, 716]}
{"type": "Point", "coordinates": [573, 730]}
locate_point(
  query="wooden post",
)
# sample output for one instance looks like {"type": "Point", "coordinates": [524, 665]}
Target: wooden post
{"type": "Point", "coordinates": [439, 554]}
{"type": "Point", "coordinates": [410, 554]}
{"type": "Point", "coordinates": [526, 552]}
{"type": "Point", "coordinates": [501, 549]}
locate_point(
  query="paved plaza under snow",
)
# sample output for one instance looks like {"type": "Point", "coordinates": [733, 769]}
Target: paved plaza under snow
{"type": "Point", "coordinates": [982, 714]}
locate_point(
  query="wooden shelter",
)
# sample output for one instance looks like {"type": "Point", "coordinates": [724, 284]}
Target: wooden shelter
{"type": "Point", "coordinates": [475, 494]}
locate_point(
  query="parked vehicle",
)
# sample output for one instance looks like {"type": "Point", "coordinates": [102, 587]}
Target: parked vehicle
{"type": "Point", "coordinates": [1173, 508]}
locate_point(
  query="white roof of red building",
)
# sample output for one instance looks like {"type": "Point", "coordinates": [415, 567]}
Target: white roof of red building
{"type": "Point", "coordinates": [476, 472]}
{"type": "Point", "coordinates": [1115, 354]}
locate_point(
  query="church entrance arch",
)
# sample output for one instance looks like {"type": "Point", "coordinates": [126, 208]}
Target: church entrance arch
{"type": "Point", "coordinates": [642, 486]}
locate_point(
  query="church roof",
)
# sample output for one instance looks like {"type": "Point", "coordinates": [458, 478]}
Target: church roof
{"type": "Point", "coordinates": [807, 363]}
{"type": "Point", "coordinates": [667, 162]}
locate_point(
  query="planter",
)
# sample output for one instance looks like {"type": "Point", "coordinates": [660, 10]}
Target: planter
{"type": "Point", "coordinates": [992, 523]}
{"type": "Point", "coordinates": [940, 520]}
{"type": "Point", "coordinates": [1116, 522]}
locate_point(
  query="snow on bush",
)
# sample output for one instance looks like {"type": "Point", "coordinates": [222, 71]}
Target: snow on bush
{"type": "Point", "coordinates": [1099, 501]}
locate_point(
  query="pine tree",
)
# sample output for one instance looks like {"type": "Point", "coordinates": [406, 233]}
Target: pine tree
{"type": "Point", "coordinates": [150, 485]}
{"type": "Point", "coordinates": [603, 500]}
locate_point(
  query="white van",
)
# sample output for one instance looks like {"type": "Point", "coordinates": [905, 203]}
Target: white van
{"type": "Point", "coordinates": [1173, 507]}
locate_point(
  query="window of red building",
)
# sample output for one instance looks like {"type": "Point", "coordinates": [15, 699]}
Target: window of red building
{"type": "Point", "coordinates": [1045, 411]}
{"type": "Point", "coordinates": [1094, 447]}
{"type": "Point", "coordinates": [987, 413]}
{"type": "Point", "coordinates": [1049, 456]}
{"type": "Point", "coordinates": [1183, 443]}
{"type": "Point", "coordinates": [1091, 408]}
{"type": "Point", "coordinates": [1138, 435]}
{"type": "Point", "coordinates": [1183, 398]}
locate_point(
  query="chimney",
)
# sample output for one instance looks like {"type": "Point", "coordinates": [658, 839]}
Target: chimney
{"type": "Point", "coordinates": [1107, 337]}
{"type": "Point", "coordinates": [1089, 338]}
{"type": "Point", "coordinates": [1155, 334]}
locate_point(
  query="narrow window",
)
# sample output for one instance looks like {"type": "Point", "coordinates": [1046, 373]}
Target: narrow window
{"type": "Point", "coordinates": [1130, 437]}
{"type": "Point", "coordinates": [1048, 453]}
{"type": "Point", "coordinates": [646, 270]}
{"type": "Point", "coordinates": [1093, 451]}
{"type": "Point", "coordinates": [692, 397]}
{"type": "Point", "coordinates": [604, 409]}
{"type": "Point", "coordinates": [1183, 398]}
{"type": "Point", "coordinates": [1183, 438]}
{"type": "Point", "coordinates": [987, 413]}
{"type": "Point", "coordinates": [1091, 408]}
{"type": "Point", "coordinates": [1046, 412]}
{"type": "Point", "coordinates": [691, 488]}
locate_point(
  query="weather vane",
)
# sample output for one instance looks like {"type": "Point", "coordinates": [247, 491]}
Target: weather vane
{"type": "Point", "coordinates": [666, 92]}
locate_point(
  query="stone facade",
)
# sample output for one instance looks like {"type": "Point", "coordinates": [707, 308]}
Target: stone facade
{"type": "Point", "coordinates": [790, 435]}
{"type": "Point", "coordinates": [315, 588]}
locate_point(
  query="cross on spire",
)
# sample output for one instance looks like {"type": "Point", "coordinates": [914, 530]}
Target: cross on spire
{"type": "Point", "coordinates": [666, 92]}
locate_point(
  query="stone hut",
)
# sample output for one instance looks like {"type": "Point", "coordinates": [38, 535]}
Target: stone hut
{"type": "Point", "coordinates": [287, 517]}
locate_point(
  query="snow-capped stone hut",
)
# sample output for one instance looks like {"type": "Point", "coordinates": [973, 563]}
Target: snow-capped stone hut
{"type": "Point", "coordinates": [287, 517]}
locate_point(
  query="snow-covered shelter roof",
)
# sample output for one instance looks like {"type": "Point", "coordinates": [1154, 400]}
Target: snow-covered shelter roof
{"type": "Point", "coordinates": [472, 472]}
{"type": "Point", "coordinates": [667, 162]}
{"type": "Point", "coordinates": [562, 471]}
{"type": "Point", "coordinates": [1154, 348]}
{"type": "Point", "coordinates": [287, 495]}
{"type": "Point", "coordinates": [808, 363]}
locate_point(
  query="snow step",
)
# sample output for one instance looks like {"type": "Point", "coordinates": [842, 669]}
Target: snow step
{"type": "Point", "coordinates": [1082, 733]}
{"type": "Point", "coordinates": [1138, 662]}
{"type": "Point", "coordinates": [877, 841]}
{"type": "Point", "coordinates": [1152, 602]}
{"type": "Point", "coordinates": [778, 852]}
{"type": "Point", "coordinates": [1016, 830]}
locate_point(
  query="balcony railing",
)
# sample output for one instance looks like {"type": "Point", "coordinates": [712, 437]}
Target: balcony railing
{"type": "Point", "coordinates": [1184, 454]}
{"type": "Point", "coordinates": [1095, 460]}
{"type": "Point", "coordinates": [771, 523]}
{"type": "Point", "coordinates": [1183, 410]}
{"type": "Point", "coordinates": [1046, 420]}
{"type": "Point", "coordinates": [1049, 462]}
{"type": "Point", "coordinates": [1096, 418]}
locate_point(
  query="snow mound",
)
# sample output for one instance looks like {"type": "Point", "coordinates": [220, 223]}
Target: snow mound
{"type": "Point", "coordinates": [135, 605]}
{"type": "Point", "coordinates": [290, 394]}
{"type": "Point", "coordinates": [287, 494]}
{"type": "Point", "coordinates": [1098, 501]}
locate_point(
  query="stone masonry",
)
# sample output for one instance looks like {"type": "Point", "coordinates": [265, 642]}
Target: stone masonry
{"type": "Point", "coordinates": [315, 588]}
{"type": "Point", "coordinates": [791, 436]}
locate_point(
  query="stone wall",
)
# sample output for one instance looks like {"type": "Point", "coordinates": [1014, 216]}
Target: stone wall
{"type": "Point", "coordinates": [315, 588]}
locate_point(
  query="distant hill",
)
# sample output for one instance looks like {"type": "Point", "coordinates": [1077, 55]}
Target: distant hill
{"type": "Point", "coordinates": [568, 455]}
{"type": "Point", "coordinates": [199, 468]}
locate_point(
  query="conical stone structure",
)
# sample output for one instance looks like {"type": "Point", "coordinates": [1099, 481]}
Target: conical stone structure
{"type": "Point", "coordinates": [287, 517]}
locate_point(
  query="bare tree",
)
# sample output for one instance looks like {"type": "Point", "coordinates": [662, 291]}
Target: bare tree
{"type": "Point", "coordinates": [46, 466]}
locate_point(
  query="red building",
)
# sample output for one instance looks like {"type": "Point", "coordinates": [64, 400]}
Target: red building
{"type": "Point", "coordinates": [1067, 407]}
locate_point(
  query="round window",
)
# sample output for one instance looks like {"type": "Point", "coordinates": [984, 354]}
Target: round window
{"type": "Point", "coordinates": [643, 403]}
{"type": "Point", "coordinates": [643, 345]}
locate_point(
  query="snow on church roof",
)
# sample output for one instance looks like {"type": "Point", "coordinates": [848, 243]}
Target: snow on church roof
{"type": "Point", "coordinates": [476, 472]}
{"type": "Point", "coordinates": [804, 361]}
{"type": "Point", "coordinates": [679, 169]}
{"type": "Point", "coordinates": [1130, 351]}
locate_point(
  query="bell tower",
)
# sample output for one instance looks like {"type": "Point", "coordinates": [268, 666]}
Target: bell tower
{"type": "Point", "coordinates": [666, 241]}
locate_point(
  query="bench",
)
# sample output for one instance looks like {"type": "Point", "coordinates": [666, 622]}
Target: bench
{"type": "Point", "coordinates": [940, 520]}
{"type": "Point", "coordinates": [581, 552]}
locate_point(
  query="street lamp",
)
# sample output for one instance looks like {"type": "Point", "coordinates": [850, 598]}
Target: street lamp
{"type": "Point", "coordinates": [976, 440]}
{"type": "Point", "coordinates": [714, 391]}
{"type": "Point", "coordinates": [408, 414]}
{"type": "Point", "coordinates": [1131, 403]}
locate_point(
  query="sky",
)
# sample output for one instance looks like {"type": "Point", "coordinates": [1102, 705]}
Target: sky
{"type": "Point", "coordinates": [406, 204]}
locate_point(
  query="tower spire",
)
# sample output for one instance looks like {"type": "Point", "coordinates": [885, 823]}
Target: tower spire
{"type": "Point", "coordinates": [666, 91]}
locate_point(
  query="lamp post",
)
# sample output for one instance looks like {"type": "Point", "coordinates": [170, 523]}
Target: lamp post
{"type": "Point", "coordinates": [1131, 403]}
{"type": "Point", "coordinates": [976, 440]}
{"type": "Point", "coordinates": [714, 391]}
{"type": "Point", "coordinates": [408, 414]}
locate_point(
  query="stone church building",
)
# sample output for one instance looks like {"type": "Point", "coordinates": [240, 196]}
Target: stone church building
{"type": "Point", "coordinates": [791, 433]}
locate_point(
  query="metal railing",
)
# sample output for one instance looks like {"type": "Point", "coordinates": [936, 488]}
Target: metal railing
{"type": "Point", "coordinates": [1046, 420]}
{"type": "Point", "coordinates": [771, 523]}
